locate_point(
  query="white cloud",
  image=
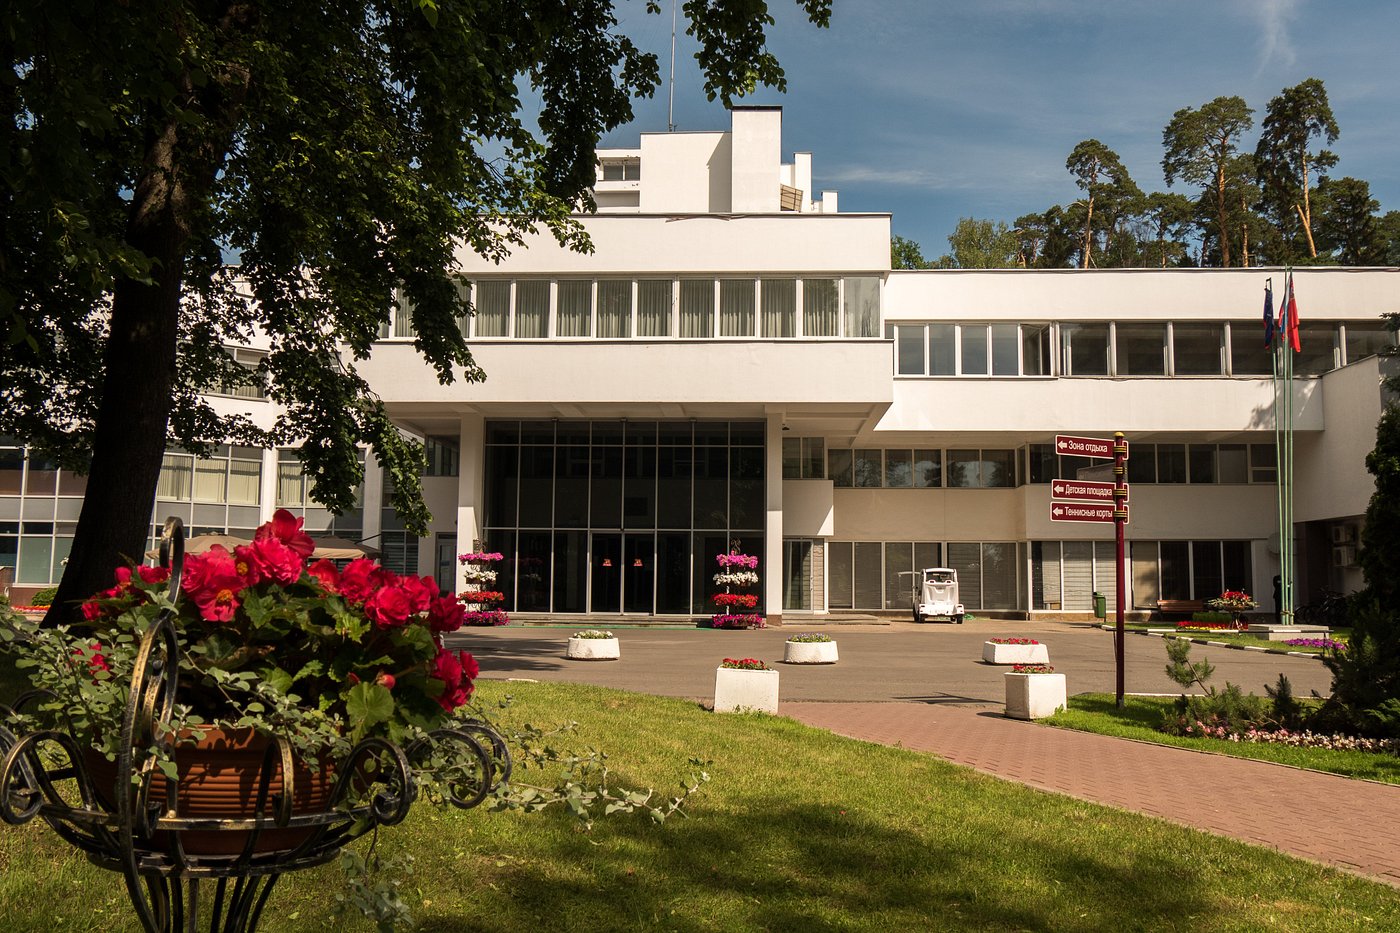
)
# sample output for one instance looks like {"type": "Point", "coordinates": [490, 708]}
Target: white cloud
{"type": "Point", "coordinates": [1275, 45]}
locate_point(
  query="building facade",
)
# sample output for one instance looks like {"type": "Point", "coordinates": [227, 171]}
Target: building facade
{"type": "Point", "coordinates": [736, 364]}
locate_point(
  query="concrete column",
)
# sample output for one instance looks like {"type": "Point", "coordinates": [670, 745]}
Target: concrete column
{"type": "Point", "coordinates": [267, 486]}
{"type": "Point", "coordinates": [471, 484]}
{"type": "Point", "coordinates": [771, 569]}
{"type": "Point", "coordinates": [373, 501]}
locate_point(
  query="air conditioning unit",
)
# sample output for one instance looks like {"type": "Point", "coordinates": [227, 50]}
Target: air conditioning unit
{"type": "Point", "coordinates": [1344, 556]}
{"type": "Point", "coordinates": [1343, 534]}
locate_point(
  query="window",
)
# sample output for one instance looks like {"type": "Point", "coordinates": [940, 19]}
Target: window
{"type": "Point", "coordinates": [492, 308]}
{"type": "Point", "coordinates": [442, 454]}
{"type": "Point", "coordinates": [1320, 349]}
{"type": "Point", "coordinates": [1248, 355]}
{"type": "Point", "coordinates": [1367, 338]}
{"type": "Point", "coordinates": [804, 458]}
{"type": "Point", "coordinates": [862, 305]}
{"type": "Point", "coordinates": [869, 469]}
{"type": "Point", "coordinates": [1005, 350]}
{"type": "Point", "coordinates": [1232, 463]}
{"type": "Point", "coordinates": [819, 308]}
{"type": "Point", "coordinates": [622, 170]}
{"type": "Point", "coordinates": [928, 469]}
{"type": "Point", "coordinates": [614, 308]}
{"type": "Point", "coordinates": [532, 308]}
{"type": "Point", "coordinates": [1202, 460]}
{"type": "Point", "coordinates": [1141, 349]}
{"type": "Point", "coordinates": [974, 349]}
{"type": "Point", "coordinates": [778, 301]}
{"type": "Point", "coordinates": [654, 308]}
{"type": "Point", "coordinates": [245, 386]}
{"type": "Point", "coordinates": [1171, 464]}
{"type": "Point", "coordinates": [1198, 349]}
{"type": "Point", "coordinates": [575, 314]}
{"type": "Point", "coordinates": [1263, 463]}
{"type": "Point", "coordinates": [899, 469]}
{"type": "Point", "coordinates": [909, 349]}
{"type": "Point", "coordinates": [942, 350]}
{"type": "Point", "coordinates": [980, 469]}
{"type": "Point", "coordinates": [697, 308]}
{"type": "Point", "coordinates": [736, 307]}
{"type": "Point", "coordinates": [1084, 349]}
{"type": "Point", "coordinates": [1035, 349]}
{"type": "Point", "coordinates": [403, 315]}
{"type": "Point", "coordinates": [971, 349]}
{"type": "Point", "coordinates": [839, 468]}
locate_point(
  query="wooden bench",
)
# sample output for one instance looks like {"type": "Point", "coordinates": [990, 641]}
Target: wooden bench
{"type": "Point", "coordinates": [1180, 606]}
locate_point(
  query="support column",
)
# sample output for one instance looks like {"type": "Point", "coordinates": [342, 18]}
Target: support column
{"type": "Point", "coordinates": [471, 485]}
{"type": "Point", "coordinates": [267, 486]}
{"type": "Point", "coordinates": [773, 526]}
{"type": "Point", "coordinates": [372, 502]}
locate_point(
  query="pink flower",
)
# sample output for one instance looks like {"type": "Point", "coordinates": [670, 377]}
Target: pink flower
{"type": "Point", "coordinates": [286, 528]}
{"type": "Point", "coordinates": [446, 614]}
{"type": "Point", "coordinates": [273, 560]}
{"type": "Point", "coordinates": [361, 578]}
{"type": "Point", "coordinates": [212, 581]}
{"type": "Point", "coordinates": [421, 591]}
{"type": "Point", "coordinates": [389, 607]}
{"type": "Point", "coordinates": [326, 574]}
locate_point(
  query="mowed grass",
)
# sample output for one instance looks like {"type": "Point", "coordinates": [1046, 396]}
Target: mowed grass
{"type": "Point", "coordinates": [799, 830]}
{"type": "Point", "coordinates": [1140, 716]}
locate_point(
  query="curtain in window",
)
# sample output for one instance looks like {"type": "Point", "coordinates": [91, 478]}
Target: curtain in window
{"type": "Point", "coordinates": [532, 308]}
{"type": "Point", "coordinates": [210, 480]}
{"type": "Point", "coordinates": [614, 308]}
{"type": "Point", "coordinates": [289, 483]}
{"type": "Point", "coordinates": [779, 306]}
{"type": "Point", "coordinates": [575, 308]}
{"type": "Point", "coordinates": [819, 308]}
{"type": "Point", "coordinates": [244, 482]}
{"type": "Point", "coordinates": [176, 478]}
{"type": "Point", "coordinates": [736, 308]}
{"type": "Point", "coordinates": [492, 304]}
{"type": "Point", "coordinates": [654, 308]}
{"type": "Point", "coordinates": [403, 315]}
{"type": "Point", "coordinates": [697, 308]}
{"type": "Point", "coordinates": [862, 303]}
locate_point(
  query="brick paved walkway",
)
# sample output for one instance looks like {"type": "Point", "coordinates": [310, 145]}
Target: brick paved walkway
{"type": "Point", "coordinates": [1351, 827]}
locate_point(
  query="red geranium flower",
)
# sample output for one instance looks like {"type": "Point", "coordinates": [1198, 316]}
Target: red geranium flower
{"type": "Point", "coordinates": [212, 581]}
{"type": "Point", "coordinates": [286, 528]}
{"type": "Point", "coordinates": [445, 614]}
{"type": "Point", "coordinates": [326, 574]}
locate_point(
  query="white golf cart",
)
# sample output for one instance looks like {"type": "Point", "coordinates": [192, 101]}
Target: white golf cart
{"type": "Point", "coordinates": [935, 595]}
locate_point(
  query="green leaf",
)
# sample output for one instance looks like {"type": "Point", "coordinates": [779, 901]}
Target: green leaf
{"type": "Point", "coordinates": [367, 705]}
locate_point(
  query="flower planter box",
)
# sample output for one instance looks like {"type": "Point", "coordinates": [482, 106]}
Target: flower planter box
{"type": "Point", "coordinates": [1034, 696]}
{"type": "Point", "coordinates": [593, 649]}
{"type": "Point", "coordinates": [743, 691]}
{"type": "Point", "coordinates": [993, 653]}
{"type": "Point", "coordinates": [809, 652]}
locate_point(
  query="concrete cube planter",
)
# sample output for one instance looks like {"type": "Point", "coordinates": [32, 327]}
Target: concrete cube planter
{"type": "Point", "coordinates": [993, 653]}
{"type": "Point", "coordinates": [593, 649]}
{"type": "Point", "coordinates": [743, 691]}
{"type": "Point", "coordinates": [1034, 696]}
{"type": "Point", "coordinates": [809, 652]}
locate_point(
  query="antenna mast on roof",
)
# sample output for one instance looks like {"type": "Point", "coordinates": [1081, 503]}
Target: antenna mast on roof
{"type": "Point", "coordinates": [671, 94]}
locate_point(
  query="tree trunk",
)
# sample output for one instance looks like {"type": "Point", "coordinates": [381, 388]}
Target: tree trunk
{"type": "Point", "coordinates": [1244, 234]}
{"type": "Point", "coordinates": [139, 372]}
{"type": "Point", "coordinates": [1305, 210]}
{"type": "Point", "coordinates": [1088, 234]}
{"type": "Point", "coordinates": [1223, 217]}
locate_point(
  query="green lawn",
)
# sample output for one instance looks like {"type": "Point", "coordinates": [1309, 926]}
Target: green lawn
{"type": "Point", "coordinates": [1096, 712]}
{"type": "Point", "coordinates": [799, 830]}
{"type": "Point", "coordinates": [1243, 638]}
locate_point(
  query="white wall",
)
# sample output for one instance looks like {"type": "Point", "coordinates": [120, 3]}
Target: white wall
{"type": "Point", "coordinates": [756, 159]}
{"type": "Point", "coordinates": [1330, 469]}
{"type": "Point", "coordinates": [808, 510]}
{"type": "Point", "coordinates": [685, 172]}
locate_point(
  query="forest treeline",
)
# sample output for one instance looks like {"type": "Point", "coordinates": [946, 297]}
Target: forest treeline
{"type": "Point", "coordinates": [1227, 206]}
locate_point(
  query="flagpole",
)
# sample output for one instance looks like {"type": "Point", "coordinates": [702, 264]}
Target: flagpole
{"type": "Point", "coordinates": [1275, 351]}
{"type": "Point", "coordinates": [1286, 473]}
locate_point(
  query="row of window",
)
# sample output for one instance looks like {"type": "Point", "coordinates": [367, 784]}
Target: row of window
{"type": "Point", "coordinates": [928, 468]}
{"type": "Point", "coordinates": [1124, 349]}
{"type": "Point", "coordinates": [690, 307]}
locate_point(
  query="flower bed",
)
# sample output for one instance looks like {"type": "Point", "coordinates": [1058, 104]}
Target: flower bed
{"type": "Point", "coordinates": [1014, 651]}
{"type": "Point", "coordinates": [1013, 641]}
{"type": "Point", "coordinates": [1195, 626]}
{"type": "Point", "coordinates": [1325, 644]}
{"type": "Point", "coordinates": [1303, 739]}
{"type": "Point", "coordinates": [1233, 602]}
{"type": "Point", "coordinates": [810, 648]}
{"type": "Point", "coordinates": [809, 638]}
{"type": "Point", "coordinates": [743, 664]}
{"type": "Point", "coordinates": [1032, 669]}
{"type": "Point", "coordinates": [593, 644]}
{"type": "Point", "coordinates": [481, 601]}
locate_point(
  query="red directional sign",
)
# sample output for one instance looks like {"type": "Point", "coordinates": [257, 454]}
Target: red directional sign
{"type": "Point", "coordinates": [1078, 512]}
{"type": "Point", "coordinates": [1072, 446]}
{"type": "Point", "coordinates": [1083, 490]}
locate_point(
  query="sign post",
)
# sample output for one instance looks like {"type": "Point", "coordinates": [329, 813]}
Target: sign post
{"type": "Point", "coordinates": [1120, 519]}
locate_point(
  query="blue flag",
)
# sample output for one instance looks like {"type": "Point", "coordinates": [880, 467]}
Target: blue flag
{"type": "Point", "coordinates": [1268, 314]}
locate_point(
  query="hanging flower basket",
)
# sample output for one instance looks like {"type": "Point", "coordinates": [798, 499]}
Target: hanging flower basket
{"type": "Point", "coordinates": [737, 573]}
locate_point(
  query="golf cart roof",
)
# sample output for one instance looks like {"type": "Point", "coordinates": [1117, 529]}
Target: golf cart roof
{"type": "Point", "coordinates": [939, 570]}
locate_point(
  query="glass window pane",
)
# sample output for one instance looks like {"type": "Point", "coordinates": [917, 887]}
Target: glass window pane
{"type": "Point", "coordinates": [862, 301]}
{"type": "Point", "coordinates": [1142, 463]}
{"type": "Point", "coordinates": [1142, 349]}
{"type": "Point", "coordinates": [697, 308]}
{"type": "Point", "coordinates": [974, 349]}
{"type": "Point", "coordinates": [1176, 570]}
{"type": "Point", "coordinates": [736, 318]}
{"type": "Point", "coordinates": [575, 314]}
{"type": "Point", "coordinates": [813, 458]}
{"type": "Point", "coordinates": [403, 315]}
{"type": "Point", "coordinates": [869, 575]}
{"type": "Point", "coordinates": [779, 303]}
{"type": "Point", "coordinates": [1202, 457]}
{"type": "Point", "coordinates": [966, 559]}
{"type": "Point", "coordinates": [792, 458]}
{"type": "Point", "coordinates": [654, 308]}
{"type": "Point", "coordinates": [1263, 463]}
{"type": "Point", "coordinates": [1232, 463]}
{"type": "Point", "coordinates": [999, 468]}
{"type": "Point", "coordinates": [999, 589]}
{"type": "Point", "coordinates": [532, 308]}
{"type": "Point", "coordinates": [1319, 349]}
{"type": "Point", "coordinates": [1366, 338]}
{"type": "Point", "coordinates": [177, 477]}
{"type": "Point", "coordinates": [1084, 349]}
{"type": "Point", "coordinates": [1146, 584]}
{"type": "Point", "coordinates": [491, 302]}
{"type": "Point", "coordinates": [1043, 466]}
{"type": "Point", "coordinates": [245, 482]}
{"type": "Point", "coordinates": [868, 469]}
{"type": "Point", "coordinates": [1171, 464]}
{"type": "Point", "coordinates": [839, 571]}
{"type": "Point", "coordinates": [1006, 343]}
{"type": "Point", "coordinates": [1035, 349]}
{"type": "Point", "coordinates": [942, 350]}
{"type": "Point", "coordinates": [928, 469]}
{"type": "Point", "coordinates": [746, 500]}
{"type": "Point", "coordinates": [1238, 574]}
{"type": "Point", "coordinates": [571, 470]}
{"type": "Point", "coordinates": [899, 469]}
{"type": "Point", "coordinates": [909, 349]}
{"type": "Point", "coordinates": [614, 308]}
{"type": "Point", "coordinates": [819, 308]}
{"type": "Point", "coordinates": [1248, 355]}
{"type": "Point", "coordinates": [839, 468]}
{"type": "Point", "coordinates": [899, 562]}
{"type": "Point", "coordinates": [964, 469]}
{"type": "Point", "coordinates": [1198, 349]}
{"type": "Point", "coordinates": [1205, 570]}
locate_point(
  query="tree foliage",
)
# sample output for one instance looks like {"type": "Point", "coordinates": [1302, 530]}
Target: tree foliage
{"type": "Point", "coordinates": [1287, 163]}
{"type": "Point", "coordinates": [906, 254]}
{"type": "Point", "coordinates": [1202, 149]}
{"type": "Point", "coordinates": [1100, 172]}
{"type": "Point", "coordinates": [342, 153]}
{"type": "Point", "coordinates": [980, 244]}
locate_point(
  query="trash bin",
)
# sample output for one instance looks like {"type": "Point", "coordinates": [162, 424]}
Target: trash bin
{"type": "Point", "coordinates": [1100, 606]}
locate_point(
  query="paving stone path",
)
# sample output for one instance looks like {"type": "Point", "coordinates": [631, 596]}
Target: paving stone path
{"type": "Point", "coordinates": [1352, 827]}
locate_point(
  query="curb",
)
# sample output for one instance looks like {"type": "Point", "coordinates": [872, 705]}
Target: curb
{"type": "Point", "coordinates": [1221, 644]}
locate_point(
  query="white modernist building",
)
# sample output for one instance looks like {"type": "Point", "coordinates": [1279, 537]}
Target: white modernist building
{"type": "Point", "coordinates": [736, 362]}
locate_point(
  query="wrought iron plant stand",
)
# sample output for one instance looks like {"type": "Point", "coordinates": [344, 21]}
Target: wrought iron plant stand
{"type": "Point", "coordinates": [140, 832]}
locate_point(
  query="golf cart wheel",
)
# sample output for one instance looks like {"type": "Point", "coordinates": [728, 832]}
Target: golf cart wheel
{"type": "Point", "coordinates": [918, 616]}
{"type": "Point", "coordinates": [958, 618]}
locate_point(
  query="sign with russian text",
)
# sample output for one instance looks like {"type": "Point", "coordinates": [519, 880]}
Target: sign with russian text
{"type": "Point", "coordinates": [1083, 490]}
{"type": "Point", "coordinates": [1071, 446]}
{"type": "Point", "coordinates": [1080, 512]}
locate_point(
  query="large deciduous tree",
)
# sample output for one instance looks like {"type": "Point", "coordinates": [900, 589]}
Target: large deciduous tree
{"type": "Point", "coordinates": [342, 152]}
{"type": "Point", "coordinates": [1202, 148]}
{"type": "Point", "coordinates": [1099, 171]}
{"type": "Point", "coordinates": [1287, 165]}
{"type": "Point", "coordinates": [980, 244]}
{"type": "Point", "coordinates": [906, 254]}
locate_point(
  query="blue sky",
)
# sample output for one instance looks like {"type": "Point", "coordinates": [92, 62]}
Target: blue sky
{"type": "Point", "coordinates": [937, 110]}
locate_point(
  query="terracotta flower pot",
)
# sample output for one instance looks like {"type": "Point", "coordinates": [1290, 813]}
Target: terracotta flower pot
{"type": "Point", "coordinates": [218, 779]}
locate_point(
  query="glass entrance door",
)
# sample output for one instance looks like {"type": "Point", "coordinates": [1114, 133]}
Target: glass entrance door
{"type": "Point", "coordinates": [605, 577]}
{"type": "Point", "coordinates": [638, 573]}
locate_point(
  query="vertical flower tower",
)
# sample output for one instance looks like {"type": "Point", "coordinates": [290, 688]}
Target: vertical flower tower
{"type": "Point", "coordinates": [737, 573]}
{"type": "Point", "coordinates": [481, 597]}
